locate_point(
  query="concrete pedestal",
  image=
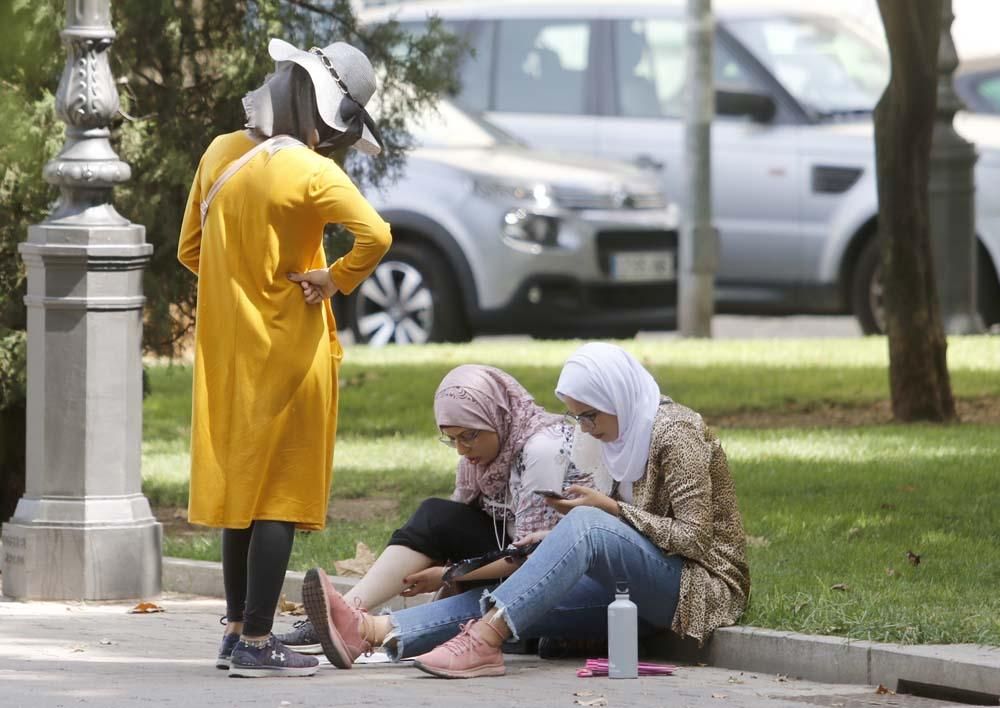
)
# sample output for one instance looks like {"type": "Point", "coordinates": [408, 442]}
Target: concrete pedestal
{"type": "Point", "coordinates": [83, 529]}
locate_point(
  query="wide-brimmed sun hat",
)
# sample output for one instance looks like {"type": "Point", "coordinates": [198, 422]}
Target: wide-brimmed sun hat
{"type": "Point", "coordinates": [340, 74]}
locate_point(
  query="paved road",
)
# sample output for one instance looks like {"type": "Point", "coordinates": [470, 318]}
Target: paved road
{"type": "Point", "coordinates": [56, 654]}
{"type": "Point", "coordinates": [736, 327]}
{"type": "Point", "coordinates": [793, 326]}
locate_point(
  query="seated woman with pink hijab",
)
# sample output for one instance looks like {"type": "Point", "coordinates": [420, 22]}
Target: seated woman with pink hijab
{"type": "Point", "coordinates": [670, 529]}
{"type": "Point", "coordinates": [509, 446]}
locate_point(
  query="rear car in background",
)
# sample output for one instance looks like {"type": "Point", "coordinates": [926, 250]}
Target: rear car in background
{"type": "Point", "coordinates": [489, 236]}
{"type": "Point", "coordinates": [793, 168]}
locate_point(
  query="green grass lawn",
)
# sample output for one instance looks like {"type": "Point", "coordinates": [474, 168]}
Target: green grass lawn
{"type": "Point", "coordinates": [832, 511]}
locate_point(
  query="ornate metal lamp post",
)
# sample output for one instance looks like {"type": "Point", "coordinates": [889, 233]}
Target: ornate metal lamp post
{"type": "Point", "coordinates": [83, 529]}
{"type": "Point", "coordinates": [952, 200]}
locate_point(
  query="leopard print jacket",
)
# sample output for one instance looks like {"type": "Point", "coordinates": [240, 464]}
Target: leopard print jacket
{"type": "Point", "coordinates": [686, 505]}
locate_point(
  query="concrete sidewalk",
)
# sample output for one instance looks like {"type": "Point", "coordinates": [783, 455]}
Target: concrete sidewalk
{"type": "Point", "coordinates": [968, 671]}
{"type": "Point", "coordinates": [96, 654]}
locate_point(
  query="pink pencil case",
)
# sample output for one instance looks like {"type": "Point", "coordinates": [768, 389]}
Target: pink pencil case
{"type": "Point", "coordinates": [599, 667]}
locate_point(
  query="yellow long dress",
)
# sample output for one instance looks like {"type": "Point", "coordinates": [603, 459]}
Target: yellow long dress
{"type": "Point", "coordinates": [264, 409]}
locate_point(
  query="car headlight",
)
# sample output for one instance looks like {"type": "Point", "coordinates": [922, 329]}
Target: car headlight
{"type": "Point", "coordinates": [537, 195]}
{"type": "Point", "coordinates": [533, 230]}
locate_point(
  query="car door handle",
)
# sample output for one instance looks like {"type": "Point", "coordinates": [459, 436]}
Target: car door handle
{"type": "Point", "coordinates": [648, 162]}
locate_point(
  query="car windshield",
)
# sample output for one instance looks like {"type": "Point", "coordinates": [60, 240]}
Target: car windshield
{"type": "Point", "coordinates": [824, 64]}
{"type": "Point", "coordinates": [448, 126]}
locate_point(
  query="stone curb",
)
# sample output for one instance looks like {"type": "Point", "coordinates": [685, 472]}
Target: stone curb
{"type": "Point", "coordinates": [933, 670]}
{"type": "Point", "coordinates": [194, 577]}
{"type": "Point", "coordinates": [936, 670]}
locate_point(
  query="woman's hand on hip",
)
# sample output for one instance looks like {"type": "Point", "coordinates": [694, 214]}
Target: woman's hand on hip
{"type": "Point", "coordinates": [317, 285]}
{"type": "Point", "coordinates": [585, 496]}
{"type": "Point", "coordinates": [428, 580]}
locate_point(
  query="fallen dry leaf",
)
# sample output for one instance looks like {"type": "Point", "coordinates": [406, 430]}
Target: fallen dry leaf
{"type": "Point", "coordinates": [758, 542]}
{"type": "Point", "coordinates": [913, 558]}
{"type": "Point", "coordinates": [146, 608]}
{"type": "Point", "coordinates": [290, 608]}
{"type": "Point", "coordinates": [888, 507]}
{"type": "Point", "coordinates": [79, 648]}
{"type": "Point", "coordinates": [906, 488]}
{"type": "Point", "coordinates": [719, 695]}
{"type": "Point", "coordinates": [843, 587]}
{"type": "Point", "coordinates": [890, 572]}
{"type": "Point", "coordinates": [356, 567]}
{"type": "Point", "coordinates": [854, 532]}
{"type": "Point", "coordinates": [883, 691]}
{"type": "Point", "coordinates": [181, 514]}
{"type": "Point", "coordinates": [602, 701]}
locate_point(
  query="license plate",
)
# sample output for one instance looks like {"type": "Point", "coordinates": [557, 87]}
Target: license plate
{"type": "Point", "coordinates": [643, 266]}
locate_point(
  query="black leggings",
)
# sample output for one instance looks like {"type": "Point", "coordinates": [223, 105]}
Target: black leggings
{"type": "Point", "coordinates": [254, 561]}
{"type": "Point", "coordinates": [446, 530]}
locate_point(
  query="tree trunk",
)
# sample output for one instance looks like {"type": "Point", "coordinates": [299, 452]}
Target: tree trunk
{"type": "Point", "coordinates": [904, 122]}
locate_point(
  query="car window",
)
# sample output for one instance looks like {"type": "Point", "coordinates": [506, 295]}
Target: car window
{"type": "Point", "coordinates": [989, 89]}
{"type": "Point", "coordinates": [474, 69]}
{"type": "Point", "coordinates": [650, 68]}
{"type": "Point", "coordinates": [825, 65]}
{"type": "Point", "coordinates": [542, 66]}
{"type": "Point", "coordinates": [474, 74]}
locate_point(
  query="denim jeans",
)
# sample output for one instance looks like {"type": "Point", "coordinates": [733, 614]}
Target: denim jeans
{"type": "Point", "coordinates": [562, 590]}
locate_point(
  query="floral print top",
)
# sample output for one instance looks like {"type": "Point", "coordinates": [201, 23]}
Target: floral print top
{"type": "Point", "coordinates": [545, 462]}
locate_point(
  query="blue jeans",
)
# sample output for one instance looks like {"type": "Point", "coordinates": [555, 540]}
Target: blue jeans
{"type": "Point", "coordinates": [562, 590]}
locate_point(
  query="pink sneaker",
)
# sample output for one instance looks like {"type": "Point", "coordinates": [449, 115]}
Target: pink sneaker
{"type": "Point", "coordinates": [465, 656]}
{"type": "Point", "coordinates": [337, 625]}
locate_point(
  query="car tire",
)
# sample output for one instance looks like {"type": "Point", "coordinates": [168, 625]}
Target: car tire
{"type": "Point", "coordinates": [866, 290]}
{"type": "Point", "coordinates": [602, 333]}
{"type": "Point", "coordinates": [989, 289]}
{"type": "Point", "coordinates": [411, 298]}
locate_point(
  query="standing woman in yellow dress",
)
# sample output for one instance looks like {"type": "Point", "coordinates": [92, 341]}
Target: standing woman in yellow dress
{"type": "Point", "coordinates": [266, 350]}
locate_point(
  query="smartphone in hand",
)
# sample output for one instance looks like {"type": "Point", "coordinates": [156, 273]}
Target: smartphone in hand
{"type": "Point", "coordinates": [550, 494]}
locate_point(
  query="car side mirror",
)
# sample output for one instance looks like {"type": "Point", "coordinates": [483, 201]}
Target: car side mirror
{"type": "Point", "coordinates": [760, 107]}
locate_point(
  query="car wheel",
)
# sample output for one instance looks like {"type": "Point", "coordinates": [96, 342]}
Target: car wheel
{"type": "Point", "coordinates": [989, 289]}
{"type": "Point", "coordinates": [866, 290]}
{"type": "Point", "coordinates": [605, 333]}
{"type": "Point", "coordinates": [411, 298]}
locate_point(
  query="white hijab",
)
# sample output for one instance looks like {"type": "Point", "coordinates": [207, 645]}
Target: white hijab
{"type": "Point", "coordinates": [612, 381]}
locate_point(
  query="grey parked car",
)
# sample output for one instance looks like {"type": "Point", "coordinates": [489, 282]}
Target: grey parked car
{"type": "Point", "coordinates": [793, 175]}
{"type": "Point", "coordinates": [977, 83]}
{"type": "Point", "coordinates": [489, 236]}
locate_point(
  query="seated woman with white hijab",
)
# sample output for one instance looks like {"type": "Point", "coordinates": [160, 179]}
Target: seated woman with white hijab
{"type": "Point", "coordinates": [670, 529]}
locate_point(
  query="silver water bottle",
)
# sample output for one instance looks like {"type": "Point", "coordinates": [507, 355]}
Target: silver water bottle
{"type": "Point", "coordinates": [623, 636]}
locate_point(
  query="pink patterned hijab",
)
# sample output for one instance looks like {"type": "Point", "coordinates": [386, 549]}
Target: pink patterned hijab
{"type": "Point", "coordinates": [484, 398]}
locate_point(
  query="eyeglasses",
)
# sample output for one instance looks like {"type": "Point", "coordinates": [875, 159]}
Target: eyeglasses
{"type": "Point", "coordinates": [585, 420]}
{"type": "Point", "coordinates": [333, 72]}
{"type": "Point", "coordinates": [468, 439]}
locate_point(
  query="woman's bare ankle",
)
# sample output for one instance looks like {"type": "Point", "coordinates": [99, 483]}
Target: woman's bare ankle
{"type": "Point", "coordinates": [375, 629]}
{"type": "Point", "coordinates": [492, 629]}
